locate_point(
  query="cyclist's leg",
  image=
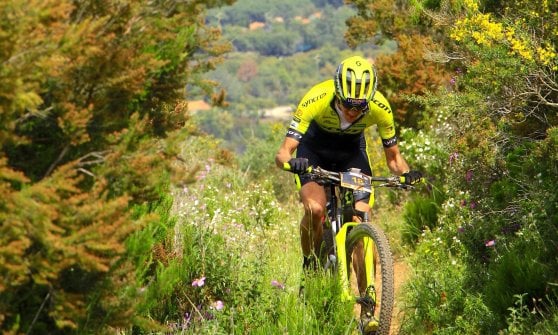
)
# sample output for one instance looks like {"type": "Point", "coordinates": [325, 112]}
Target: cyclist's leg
{"type": "Point", "coordinates": [314, 200]}
{"type": "Point", "coordinates": [358, 254]}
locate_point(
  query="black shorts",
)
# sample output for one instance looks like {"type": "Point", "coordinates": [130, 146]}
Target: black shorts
{"type": "Point", "coordinates": [336, 159]}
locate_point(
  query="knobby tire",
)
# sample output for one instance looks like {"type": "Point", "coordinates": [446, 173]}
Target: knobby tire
{"type": "Point", "coordinates": [383, 252]}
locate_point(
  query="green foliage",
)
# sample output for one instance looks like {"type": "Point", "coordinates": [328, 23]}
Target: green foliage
{"type": "Point", "coordinates": [487, 144]}
{"type": "Point", "coordinates": [286, 35]}
{"type": "Point", "coordinates": [258, 161]}
{"type": "Point", "coordinates": [91, 111]}
{"type": "Point", "coordinates": [441, 305]}
{"type": "Point", "coordinates": [246, 11]}
{"type": "Point", "coordinates": [421, 213]}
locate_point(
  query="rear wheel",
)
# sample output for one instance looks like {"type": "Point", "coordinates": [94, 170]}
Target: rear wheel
{"type": "Point", "coordinates": [371, 275]}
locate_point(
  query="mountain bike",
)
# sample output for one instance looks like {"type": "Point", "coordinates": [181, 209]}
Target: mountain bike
{"type": "Point", "coordinates": [358, 252]}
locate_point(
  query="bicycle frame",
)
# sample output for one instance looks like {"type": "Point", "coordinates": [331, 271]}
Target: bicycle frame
{"type": "Point", "coordinates": [336, 219]}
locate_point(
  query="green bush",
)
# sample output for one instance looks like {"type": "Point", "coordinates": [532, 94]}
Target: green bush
{"type": "Point", "coordinates": [421, 213]}
{"type": "Point", "coordinates": [438, 300]}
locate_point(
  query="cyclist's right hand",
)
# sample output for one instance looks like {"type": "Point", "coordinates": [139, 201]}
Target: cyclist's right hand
{"type": "Point", "coordinates": [298, 165]}
{"type": "Point", "coordinates": [412, 177]}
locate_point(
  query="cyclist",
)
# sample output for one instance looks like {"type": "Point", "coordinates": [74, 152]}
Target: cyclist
{"type": "Point", "coordinates": [327, 130]}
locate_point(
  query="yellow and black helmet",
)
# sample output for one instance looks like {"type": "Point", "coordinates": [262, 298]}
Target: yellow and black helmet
{"type": "Point", "coordinates": [355, 81]}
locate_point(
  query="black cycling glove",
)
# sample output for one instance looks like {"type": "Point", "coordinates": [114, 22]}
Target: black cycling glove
{"type": "Point", "coordinates": [298, 165]}
{"type": "Point", "coordinates": [412, 177]}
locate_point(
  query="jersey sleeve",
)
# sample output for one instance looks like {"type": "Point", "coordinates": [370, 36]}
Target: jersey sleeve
{"type": "Point", "coordinates": [306, 111]}
{"type": "Point", "coordinates": [385, 121]}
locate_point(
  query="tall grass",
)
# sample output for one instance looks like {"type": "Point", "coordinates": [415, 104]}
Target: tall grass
{"type": "Point", "coordinates": [225, 259]}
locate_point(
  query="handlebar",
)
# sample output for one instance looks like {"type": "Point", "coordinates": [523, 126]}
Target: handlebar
{"type": "Point", "coordinates": [353, 178]}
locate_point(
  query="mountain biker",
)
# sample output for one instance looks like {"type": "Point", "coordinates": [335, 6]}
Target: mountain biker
{"type": "Point", "coordinates": [327, 130]}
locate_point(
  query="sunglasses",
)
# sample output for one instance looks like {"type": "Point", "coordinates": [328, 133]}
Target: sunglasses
{"type": "Point", "coordinates": [355, 104]}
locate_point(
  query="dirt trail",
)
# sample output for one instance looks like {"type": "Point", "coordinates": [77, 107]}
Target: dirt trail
{"type": "Point", "coordinates": [401, 271]}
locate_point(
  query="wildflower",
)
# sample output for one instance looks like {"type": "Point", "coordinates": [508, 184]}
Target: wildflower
{"type": "Point", "coordinates": [469, 175]}
{"type": "Point", "coordinates": [187, 317]}
{"type": "Point", "coordinates": [452, 81]}
{"type": "Point", "coordinates": [453, 157]}
{"type": "Point", "coordinates": [277, 284]}
{"type": "Point", "coordinates": [218, 305]}
{"type": "Point", "coordinates": [199, 282]}
{"type": "Point", "coordinates": [473, 205]}
{"type": "Point", "coordinates": [490, 243]}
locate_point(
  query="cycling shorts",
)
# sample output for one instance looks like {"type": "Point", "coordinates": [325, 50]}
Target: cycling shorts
{"type": "Point", "coordinates": [337, 159]}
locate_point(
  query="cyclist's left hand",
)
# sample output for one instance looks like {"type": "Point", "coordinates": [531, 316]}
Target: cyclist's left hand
{"type": "Point", "coordinates": [298, 165]}
{"type": "Point", "coordinates": [412, 177]}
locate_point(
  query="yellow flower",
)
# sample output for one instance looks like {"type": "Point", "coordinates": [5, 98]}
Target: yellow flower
{"type": "Point", "coordinates": [472, 5]}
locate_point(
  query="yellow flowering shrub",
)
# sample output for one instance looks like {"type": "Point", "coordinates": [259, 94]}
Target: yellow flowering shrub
{"type": "Point", "coordinates": [485, 30]}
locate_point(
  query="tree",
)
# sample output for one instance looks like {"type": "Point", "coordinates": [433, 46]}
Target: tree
{"type": "Point", "coordinates": [91, 113]}
{"type": "Point", "coordinates": [411, 70]}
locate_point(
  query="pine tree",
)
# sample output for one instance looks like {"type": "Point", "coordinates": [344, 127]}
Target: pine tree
{"type": "Point", "coordinates": [91, 115]}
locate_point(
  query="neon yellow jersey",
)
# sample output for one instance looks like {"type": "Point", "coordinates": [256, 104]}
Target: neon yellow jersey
{"type": "Point", "coordinates": [317, 122]}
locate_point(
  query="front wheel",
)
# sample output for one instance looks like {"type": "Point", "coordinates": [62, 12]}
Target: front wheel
{"type": "Point", "coordinates": [371, 276]}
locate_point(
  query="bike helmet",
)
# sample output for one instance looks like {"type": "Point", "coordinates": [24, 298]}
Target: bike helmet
{"type": "Point", "coordinates": [355, 82]}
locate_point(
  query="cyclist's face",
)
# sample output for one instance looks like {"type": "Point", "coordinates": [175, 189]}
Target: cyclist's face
{"type": "Point", "coordinates": [351, 114]}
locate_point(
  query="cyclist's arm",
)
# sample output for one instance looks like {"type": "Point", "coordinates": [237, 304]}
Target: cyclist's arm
{"type": "Point", "coordinates": [285, 151]}
{"type": "Point", "coordinates": [396, 163]}
{"type": "Point", "coordinates": [314, 101]}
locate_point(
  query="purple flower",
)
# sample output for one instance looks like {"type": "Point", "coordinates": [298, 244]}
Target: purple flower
{"type": "Point", "coordinates": [473, 205]}
{"type": "Point", "coordinates": [453, 157]}
{"type": "Point", "coordinates": [452, 80]}
{"type": "Point", "coordinates": [187, 317]}
{"type": "Point", "coordinates": [199, 282]}
{"type": "Point", "coordinates": [490, 243]}
{"type": "Point", "coordinates": [277, 284]}
{"type": "Point", "coordinates": [469, 175]}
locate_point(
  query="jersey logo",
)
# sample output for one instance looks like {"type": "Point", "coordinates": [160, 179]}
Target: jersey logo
{"type": "Point", "coordinates": [294, 134]}
{"type": "Point", "coordinates": [314, 99]}
{"type": "Point", "coordinates": [381, 105]}
{"type": "Point", "coordinates": [389, 142]}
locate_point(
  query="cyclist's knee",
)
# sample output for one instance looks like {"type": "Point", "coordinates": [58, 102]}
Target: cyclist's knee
{"type": "Point", "coordinates": [314, 210]}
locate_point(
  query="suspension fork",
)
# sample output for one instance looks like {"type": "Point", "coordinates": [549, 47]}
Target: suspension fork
{"type": "Point", "coordinates": [343, 265]}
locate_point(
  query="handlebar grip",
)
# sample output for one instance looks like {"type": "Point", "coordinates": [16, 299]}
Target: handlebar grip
{"type": "Point", "coordinates": [287, 167]}
{"type": "Point", "coordinates": [421, 180]}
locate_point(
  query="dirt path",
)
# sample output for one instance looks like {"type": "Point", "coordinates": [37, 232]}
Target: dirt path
{"type": "Point", "coordinates": [401, 271]}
